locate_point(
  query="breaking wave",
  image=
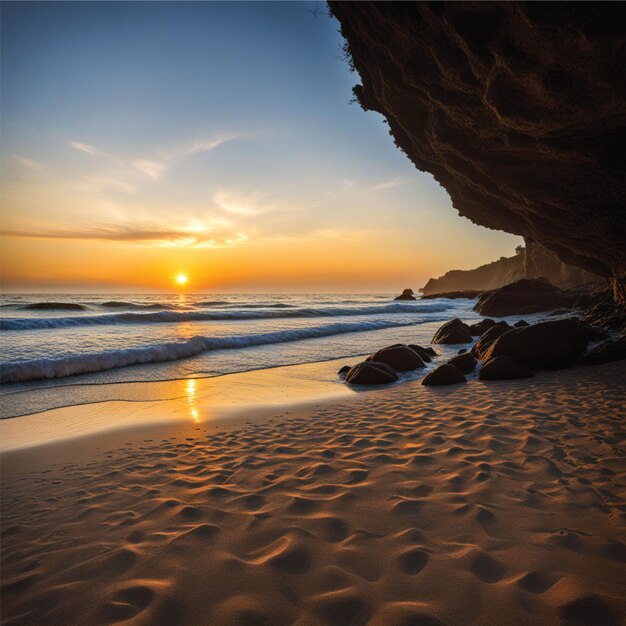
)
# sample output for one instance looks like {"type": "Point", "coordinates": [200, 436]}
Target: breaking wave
{"type": "Point", "coordinates": [18, 371]}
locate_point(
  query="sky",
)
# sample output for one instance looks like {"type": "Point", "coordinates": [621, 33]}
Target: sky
{"type": "Point", "coordinates": [142, 140]}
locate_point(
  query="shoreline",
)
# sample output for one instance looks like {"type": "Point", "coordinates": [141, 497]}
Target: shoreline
{"type": "Point", "coordinates": [484, 503]}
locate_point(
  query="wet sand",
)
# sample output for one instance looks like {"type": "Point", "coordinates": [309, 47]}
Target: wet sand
{"type": "Point", "coordinates": [484, 503]}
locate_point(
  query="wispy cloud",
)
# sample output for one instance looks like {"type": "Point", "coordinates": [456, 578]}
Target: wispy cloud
{"type": "Point", "coordinates": [146, 236]}
{"type": "Point", "coordinates": [153, 169]}
{"type": "Point", "coordinates": [391, 183]}
{"type": "Point", "coordinates": [84, 147]}
{"type": "Point", "coordinates": [240, 204]}
{"type": "Point", "coordinates": [31, 163]}
{"type": "Point", "coordinates": [154, 166]}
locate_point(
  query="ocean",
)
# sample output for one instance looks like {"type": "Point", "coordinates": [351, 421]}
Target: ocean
{"type": "Point", "coordinates": [61, 339]}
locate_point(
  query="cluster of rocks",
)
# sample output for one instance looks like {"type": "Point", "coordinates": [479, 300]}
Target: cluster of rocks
{"type": "Point", "coordinates": [506, 352]}
{"type": "Point", "coordinates": [383, 366]}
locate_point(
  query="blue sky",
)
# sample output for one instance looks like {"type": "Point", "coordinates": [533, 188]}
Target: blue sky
{"type": "Point", "coordinates": [206, 126]}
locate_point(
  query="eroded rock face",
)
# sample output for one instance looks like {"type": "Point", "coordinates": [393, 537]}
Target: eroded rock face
{"type": "Point", "coordinates": [517, 108]}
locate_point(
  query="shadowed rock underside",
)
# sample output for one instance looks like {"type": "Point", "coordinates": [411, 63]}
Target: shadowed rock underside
{"type": "Point", "coordinates": [517, 109]}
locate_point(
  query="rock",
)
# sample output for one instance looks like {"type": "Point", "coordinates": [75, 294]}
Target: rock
{"type": "Point", "coordinates": [600, 309]}
{"type": "Point", "coordinates": [521, 324]}
{"type": "Point", "coordinates": [444, 375]}
{"type": "Point", "coordinates": [462, 351]}
{"type": "Point", "coordinates": [529, 295]}
{"type": "Point", "coordinates": [400, 357]}
{"type": "Point", "coordinates": [344, 370]}
{"type": "Point", "coordinates": [454, 331]}
{"type": "Point", "coordinates": [371, 373]}
{"type": "Point", "coordinates": [465, 362]}
{"type": "Point", "coordinates": [431, 351]}
{"type": "Point", "coordinates": [606, 353]}
{"type": "Point", "coordinates": [518, 109]}
{"type": "Point", "coordinates": [547, 345]}
{"type": "Point", "coordinates": [407, 294]}
{"type": "Point", "coordinates": [594, 334]}
{"type": "Point", "coordinates": [503, 368]}
{"type": "Point", "coordinates": [469, 294]}
{"type": "Point", "coordinates": [54, 306]}
{"type": "Point", "coordinates": [486, 339]}
{"type": "Point", "coordinates": [477, 329]}
{"type": "Point", "coordinates": [424, 354]}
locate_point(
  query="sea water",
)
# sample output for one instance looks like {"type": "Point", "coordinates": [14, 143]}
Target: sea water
{"type": "Point", "coordinates": [103, 338]}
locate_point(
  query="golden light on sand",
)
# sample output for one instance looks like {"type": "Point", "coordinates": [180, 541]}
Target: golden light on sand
{"type": "Point", "coordinates": [181, 279]}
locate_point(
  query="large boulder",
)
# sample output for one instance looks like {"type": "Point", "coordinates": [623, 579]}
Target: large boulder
{"type": "Point", "coordinates": [400, 357]}
{"type": "Point", "coordinates": [407, 294]}
{"type": "Point", "coordinates": [548, 345]}
{"type": "Point", "coordinates": [452, 332]}
{"type": "Point", "coordinates": [529, 295]}
{"type": "Point", "coordinates": [480, 348]}
{"type": "Point", "coordinates": [606, 352]}
{"type": "Point", "coordinates": [503, 368]}
{"type": "Point", "coordinates": [466, 362]}
{"type": "Point", "coordinates": [424, 353]}
{"type": "Point", "coordinates": [371, 373]}
{"type": "Point", "coordinates": [444, 375]}
{"type": "Point", "coordinates": [477, 329]}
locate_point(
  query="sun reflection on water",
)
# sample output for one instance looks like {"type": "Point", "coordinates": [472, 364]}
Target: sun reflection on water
{"type": "Point", "coordinates": [190, 390]}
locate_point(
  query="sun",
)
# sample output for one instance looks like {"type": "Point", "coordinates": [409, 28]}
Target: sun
{"type": "Point", "coordinates": [181, 279]}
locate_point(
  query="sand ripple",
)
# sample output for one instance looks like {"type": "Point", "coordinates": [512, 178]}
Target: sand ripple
{"type": "Point", "coordinates": [494, 504]}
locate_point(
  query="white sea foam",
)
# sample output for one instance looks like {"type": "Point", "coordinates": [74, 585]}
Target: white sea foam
{"type": "Point", "coordinates": [15, 323]}
{"type": "Point", "coordinates": [60, 367]}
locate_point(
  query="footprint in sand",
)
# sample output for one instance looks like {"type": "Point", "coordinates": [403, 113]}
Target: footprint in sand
{"type": "Point", "coordinates": [487, 569]}
{"type": "Point", "coordinates": [536, 582]}
{"type": "Point", "coordinates": [588, 610]}
{"type": "Point", "coordinates": [126, 603]}
{"type": "Point", "coordinates": [412, 561]}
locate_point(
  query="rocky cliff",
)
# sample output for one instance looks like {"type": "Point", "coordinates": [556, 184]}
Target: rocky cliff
{"type": "Point", "coordinates": [483, 278]}
{"type": "Point", "coordinates": [517, 108]}
{"type": "Point", "coordinates": [534, 261]}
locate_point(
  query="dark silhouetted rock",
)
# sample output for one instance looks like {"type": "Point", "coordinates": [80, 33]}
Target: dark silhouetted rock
{"type": "Point", "coordinates": [54, 306]}
{"type": "Point", "coordinates": [594, 334]}
{"type": "Point", "coordinates": [407, 294]}
{"type": "Point", "coordinates": [529, 295]}
{"type": "Point", "coordinates": [462, 351]}
{"type": "Point", "coordinates": [486, 339]}
{"type": "Point", "coordinates": [344, 370]}
{"type": "Point", "coordinates": [470, 294]}
{"type": "Point", "coordinates": [518, 109]}
{"type": "Point", "coordinates": [503, 368]}
{"type": "Point", "coordinates": [444, 375]}
{"type": "Point", "coordinates": [547, 345]}
{"type": "Point", "coordinates": [454, 331]}
{"type": "Point", "coordinates": [606, 353]}
{"type": "Point", "coordinates": [430, 351]}
{"type": "Point", "coordinates": [400, 357]}
{"type": "Point", "coordinates": [600, 309]}
{"type": "Point", "coordinates": [424, 354]}
{"type": "Point", "coordinates": [465, 362]}
{"type": "Point", "coordinates": [479, 328]}
{"type": "Point", "coordinates": [521, 324]}
{"type": "Point", "coordinates": [371, 373]}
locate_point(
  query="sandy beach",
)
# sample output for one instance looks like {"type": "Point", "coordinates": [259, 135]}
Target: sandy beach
{"type": "Point", "coordinates": [483, 503]}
